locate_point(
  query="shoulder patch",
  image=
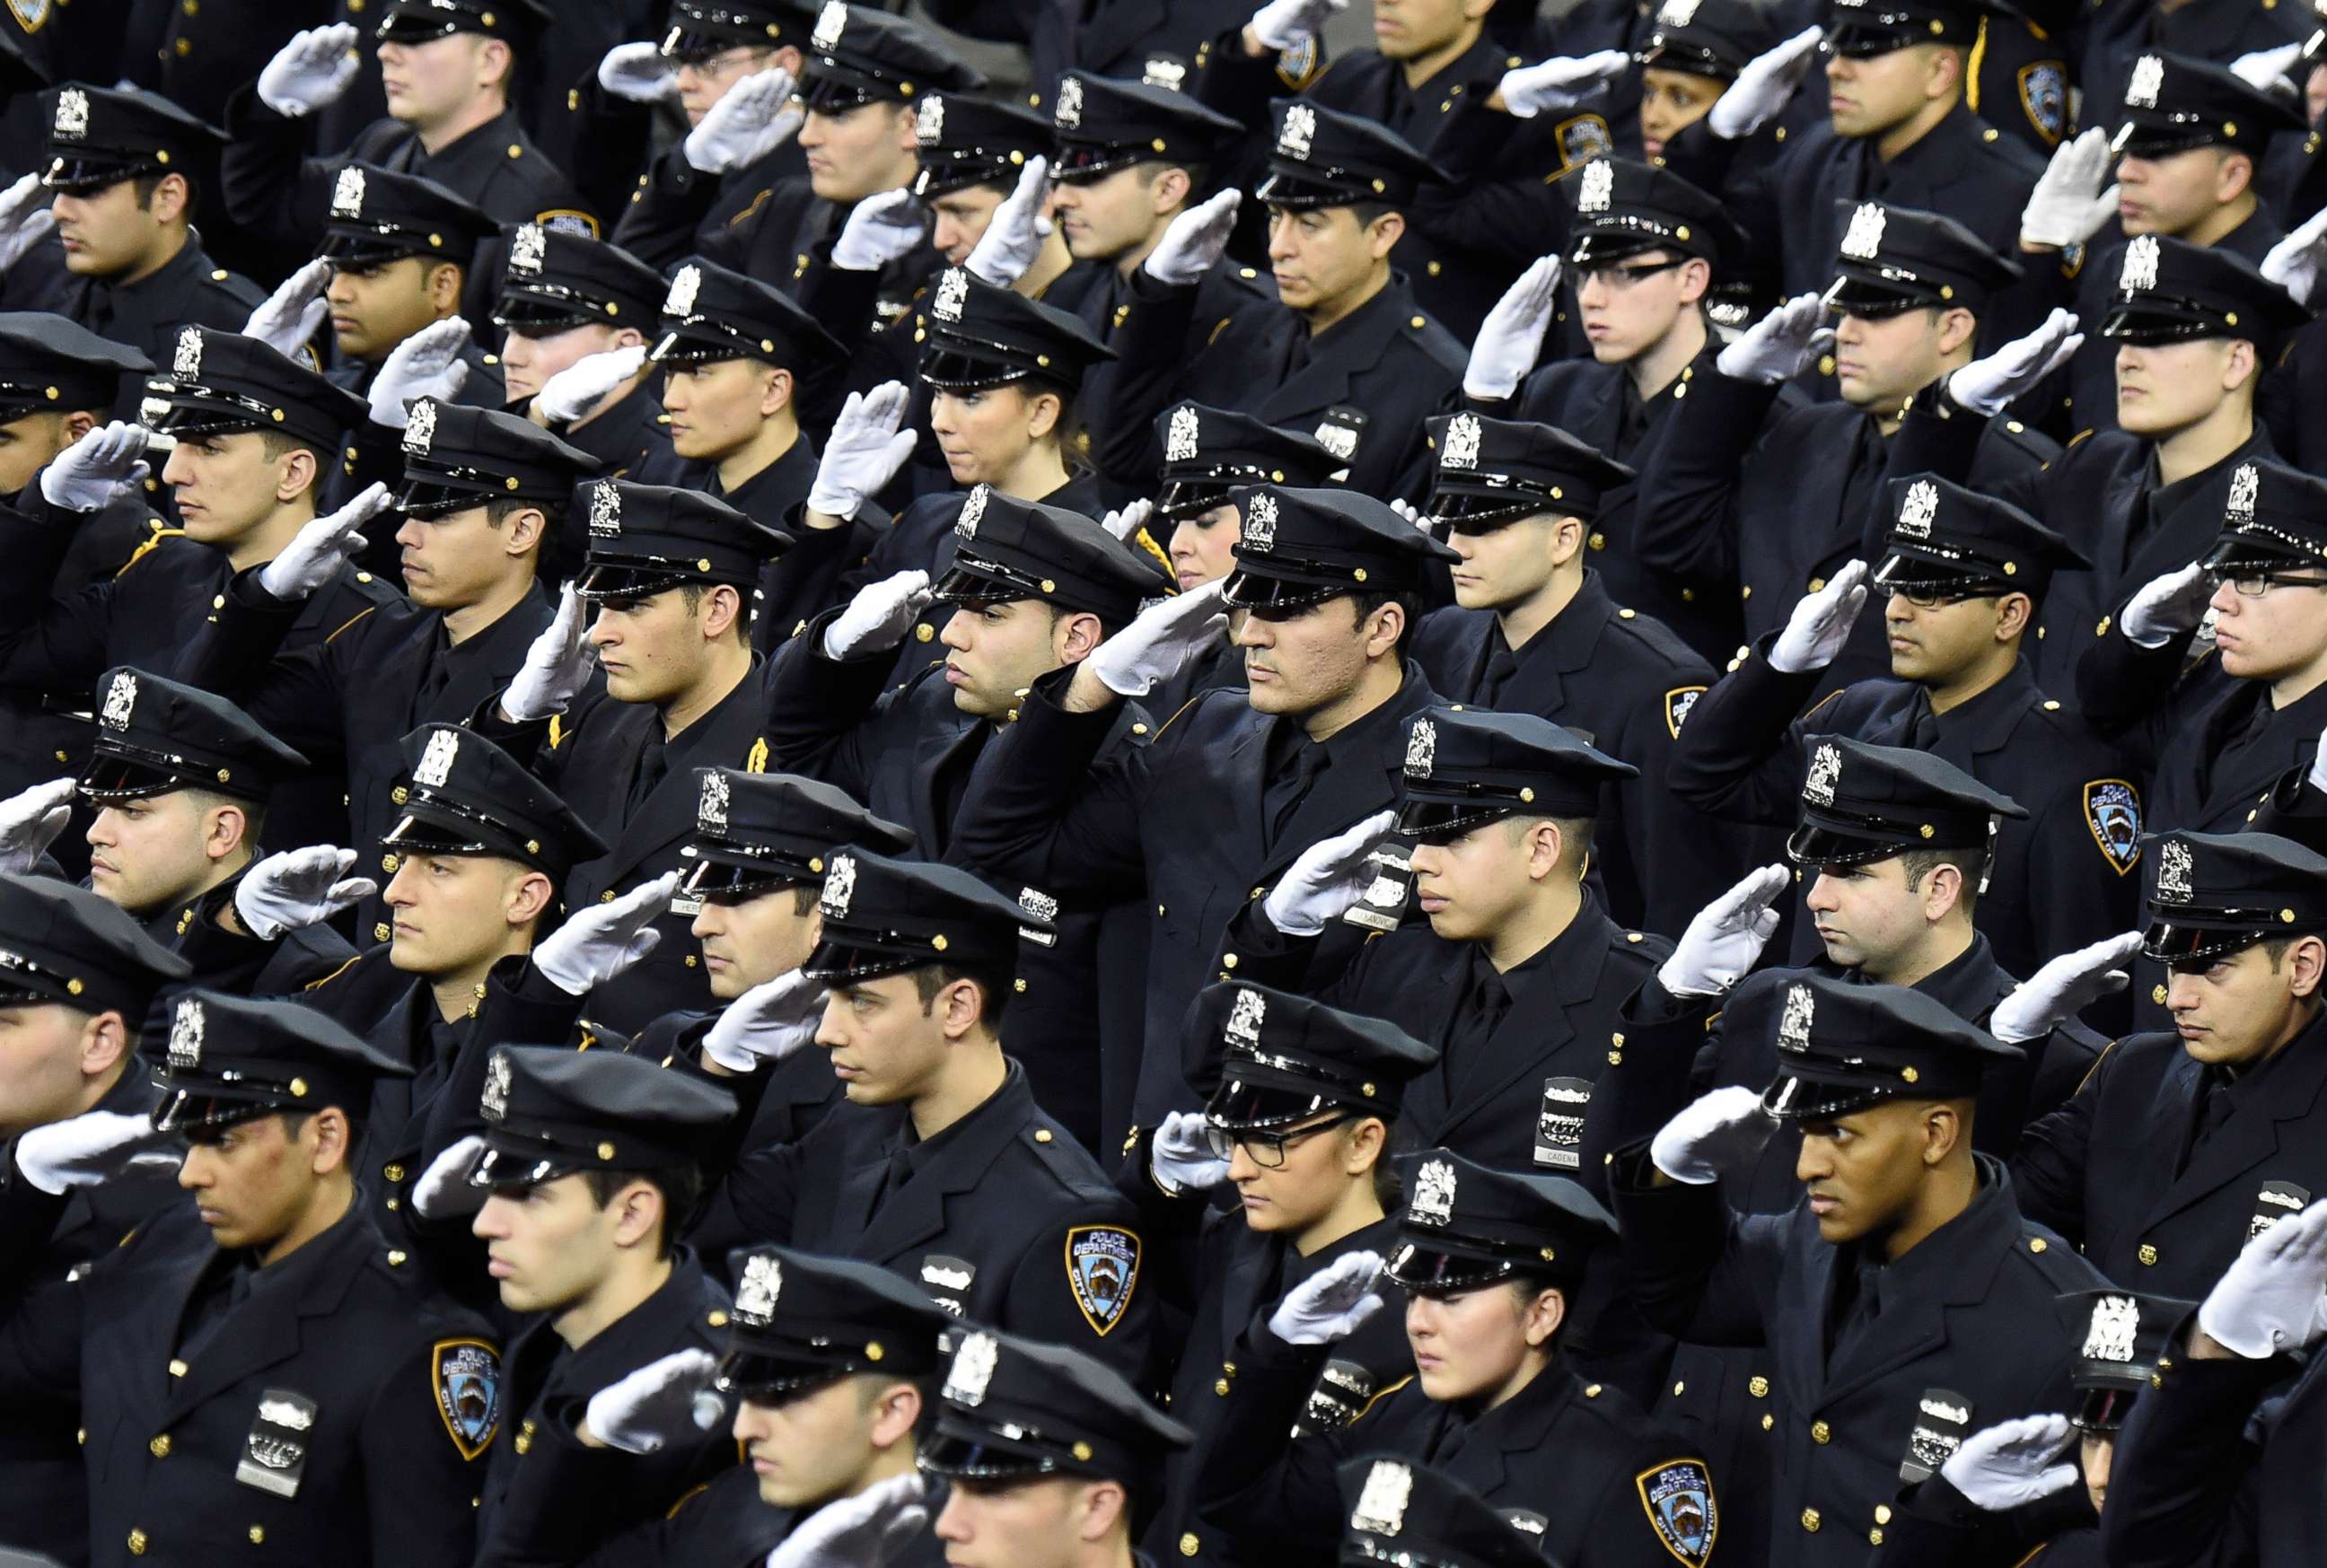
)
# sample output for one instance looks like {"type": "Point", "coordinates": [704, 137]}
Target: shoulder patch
{"type": "Point", "coordinates": [1678, 1498]}
{"type": "Point", "coordinates": [1581, 140]}
{"type": "Point", "coordinates": [466, 1377]}
{"type": "Point", "coordinates": [1678, 702]}
{"type": "Point", "coordinates": [571, 220]}
{"type": "Point", "coordinates": [2044, 97]}
{"type": "Point", "coordinates": [2112, 813]}
{"type": "Point", "coordinates": [1102, 1271]}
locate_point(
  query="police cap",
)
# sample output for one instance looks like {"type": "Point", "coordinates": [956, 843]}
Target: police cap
{"type": "Point", "coordinates": [1014, 1410]}
{"type": "Point", "coordinates": [550, 1112]}
{"type": "Point", "coordinates": [1946, 538]}
{"type": "Point", "coordinates": [50, 365]}
{"type": "Point", "coordinates": [885, 916]}
{"type": "Point", "coordinates": [1896, 259]}
{"type": "Point", "coordinates": [2274, 521]}
{"type": "Point", "coordinates": [710, 313]}
{"type": "Point", "coordinates": [1322, 157]}
{"type": "Point", "coordinates": [967, 139]}
{"type": "Point", "coordinates": [1465, 767]}
{"type": "Point", "coordinates": [1861, 803]}
{"type": "Point", "coordinates": [856, 55]}
{"type": "Point", "coordinates": [1005, 549]}
{"type": "Point", "coordinates": [1299, 547]}
{"type": "Point", "coordinates": [459, 794]}
{"type": "Point", "coordinates": [2174, 102]}
{"type": "Point", "coordinates": [2120, 1336]}
{"type": "Point", "coordinates": [98, 137]}
{"type": "Point", "coordinates": [1491, 473]}
{"type": "Point", "coordinates": [1844, 1047]}
{"type": "Point", "coordinates": [154, 736]}
{"type": "Point", "coordinates": [2211, 894]}
{"type": "Point", "coordinates": [644, 538]}
{"type": "Point", "coordinates": [755, 833]}
{"type": "Point", "coordinates": [426, 21]}
{"type": "Point", "coordinates": [1209, 452]}
{"type": "Point", "coordinates": [1465, 1226]}
{"type": "Point", "coordinates": [702, 30]}
{"type": "Point", "coordinates": [224, 383]}
{"type": "Point", "coordinates": [2169, 290]}
{"type": "Point", "coordinates": [1623, 206]}
{"type": "Point", "coordinates": [64, 944]}
{"type": "Point", "coordinates": [457, 457]}
{"type": "Point", "coordinates": [1710, 38]}
{"type": "Point", "coordinates": [1103, 124]}
{"type": "Point", "coordinates": [553, 280]}
{"type": "Point", "coordinates": [1403, 1513]}
{"type": "Point", "coordinates": [234, 1058]}
{"type": "Point", "coordinates": [377, 215]}
{"type": "Point", "coordinates": [982, 336]}
{"type": "Point", "coordinates": [801, 1321]}
{"type": "Point", "coordinates": [1281, 1059]}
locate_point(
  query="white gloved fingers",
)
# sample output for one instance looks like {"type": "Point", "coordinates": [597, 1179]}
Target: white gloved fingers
{"type": "Point", "coordinates": [444, 1191]}
{"type": "Point", "coordinates": [1126, 521]}
{"type": "Point", "coordinates": [2259, 68]}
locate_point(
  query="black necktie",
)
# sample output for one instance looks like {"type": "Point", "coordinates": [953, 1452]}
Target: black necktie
{"type": "Point", "coordinates": [652, 767]}
{"type": "Point", "coordinates": [1923, 730]}
{"type": "Point", "coordinates": [1502, 664]}
{"type": "Point", "coordinates": [1289, 783]}
{"type": "Point", "coordinates": [2211, 1110]}
{"type": "Point", "coordinates": [1859, 1316]}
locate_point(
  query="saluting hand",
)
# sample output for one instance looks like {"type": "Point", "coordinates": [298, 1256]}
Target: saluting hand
{"type": "Point", "coordinates": [1331, 1304]}
{"type": "Point", "coordinates": [600, 941]}
{"type": "Point", "coordinates": [2011, 1464]}
{"type": "Point", "coordinates": [316, 67]}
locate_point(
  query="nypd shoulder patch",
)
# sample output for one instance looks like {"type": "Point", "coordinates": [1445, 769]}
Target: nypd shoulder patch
{"type": "Point", "coordinates": [1678, 702]}
{"type": "Point", "coordinates": [2044, 97]}
{"type": "Point", "coordinates": [2112, 813]}
{"type": "Point", "coordinates": [1102, 1271]}
{"type": "Point", "coordinates": [1679, 1500]}
{"type": "Point", "coordinates": [466, 1374]}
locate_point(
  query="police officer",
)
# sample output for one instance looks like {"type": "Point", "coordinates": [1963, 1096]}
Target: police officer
{"type": "Point", "coordinates": [1524, 506]}
{"type": "Point", "coordinates": [2235, 919]}
{"type": "Point", "coordinates": [255, 1369]}
{"type": "Point", "coordinates": [1241, 782]}
{"type": "Point", "coordinates": [1689, 56]}
{"type": "Point", "coordinates": [1895, 1299]}
{"type": "Point", "coordinates": [1966, 576]}
{"type": "Point", "coordinates": [1493, 1265]}
{"type": "Point", "coordinates": [1307, 1105]}
{"type": "Point", "coordinates": [943, 1167]}
{"type": "Point", "coordinates": [570, 302]}
{"type": "Point", "coordinates": [124, 165]}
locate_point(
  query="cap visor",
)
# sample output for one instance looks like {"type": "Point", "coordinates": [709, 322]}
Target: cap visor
{"type": "Point", "coordinates": [1793, 1098]}
{"type": "Point", "coordinates": [1426, 1270]}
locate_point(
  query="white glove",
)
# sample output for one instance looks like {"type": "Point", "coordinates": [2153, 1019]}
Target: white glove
{"type": "Point", "coordinates": [639, 72]}
{"type": "Point", "coordinates": [321, 546]}
{"type": "Point", "coordinates": [1194, 240]}
{"type": "Point", "coordinates": [665, 1399]}
{"type": "Point", "coordinates": [2294, 263]}
{"type": "Point", "coordinates": [2273, 1297]}
{"type": "Point", "coordinates": [1160, 639]}
{"type": "Point", "coordinates": [1331, 1304]}
{"type": "Point", "coordinates": [880, 229]}
{"type": "Point", "coordinates": [1326, 878]}
{"type": "Point", "coordinates": [1987, 387]}
{"type": "Point", "coordinates": [30, 821]}
{"type": "Point", "coordinates": [753, 119]}
{"type": "Point", "coordinates": [85, 1150]}
{"type": "Point", "coordinates": [1723, 938]}
{"type": "Point", "coordinates": [2260, 67]}
{"type": "Point", "coordinates": [1558, 84]}
{"type": "Point", "coordinates": [2062, 988]}
{"type": "Point", "coordinates": [1715, 1135]}
{"type": "Point", "coordinates": [877, 619]}
{"type": "Point", "coordinates": [294, 312]}
{"type": "Point", "coordinates": [601, 940]}
{"type": "Point", "coordinates": [1124, 522]}
{"type": "Point", "coordinates": [1406, 509]}
{"type": "Point", "coordinates": [315, 68]}
{"type": "Point", "coordinates": [2006, 1465]}
{"type": "Point", "coordinates": [1180, 1156]}
{"type": "Point", "coordinates": [298, 888]}
{"type": "Point", "coordinates": [428, 364]}
{"type": "Point", "coordinates": [444, 1191]}
{"type": "Point", "coordinates": [2316, 778]}
{"type": "Point", "coordinates": [85, 474]}
{"type": "Point", "coordinates": [1763, 87]}
{"type": "Point", "coordinates": [1511, 336]}
{"type": "Point", "coordinates": [2069, 205]}
{"type": "Point", "coordinates": [1820, 624]}
{"type": "Point", "coordinates": [555, 665]}
{"type": "Point", "coordinates": [766, 1024]}
{"type": "Point", "coordinates": [1014, 235]}
{"type": "Point", "coordinates": [1283, 24]}
{"type": "Point", "coordinates": [1780, 345]}
{"type": "Point", "coordinates": [2167, 606]}
{"type": "Point", "coordinates": [577, 389]}
{"type": "Point", "coordinates": [25, 220]}
{"type": "Point", "coordinates": [863, 452]}
{"type": "Point", "coordinates": [873, 1529]}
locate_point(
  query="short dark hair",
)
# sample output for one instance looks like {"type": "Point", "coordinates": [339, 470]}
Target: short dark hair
{"type": "Point", "coordinates": [1199, 173]}
{"type": "Point", "coordinates": [254, 812]}
{"type": "Point", "coordinates": [1368, 599]}
{"type": "Point", "coordinates": [147, 185]}
{"type": "Point", "coordinates": [295, 1119]}
{"type": "Point", "coordinates": [501, 508]}
{"type": "Point", "coordinates": [994, 984]}
{"type": "Point", "coordinates": [1367, 212]}
{"type": "Point", "coordinates": [681, 1187]}
{"type": "Point", "coordinates": [693, 592]}
{"type": "Point", "coordinates": [277, 444]}
{"type": "Point", "coordinates": [1972, 862]}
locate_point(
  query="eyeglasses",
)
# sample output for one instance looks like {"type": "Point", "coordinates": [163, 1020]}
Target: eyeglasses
{"type": "Point", "coordinates": [1623, 277]}
{"type": "Point", "coordinates": [1941, 598]}
{"type": "Point", "coordinates": [1266, 1149]}
{"type": "Point", "coordinates": [2255, 585]}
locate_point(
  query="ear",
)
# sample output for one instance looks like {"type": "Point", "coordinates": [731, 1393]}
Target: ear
{"type": "Point", "coordinates": [895, 1415]}
{"type": "Point", "coordinates": [224, 831]}
{"type": "Point", "coordinates": [443, 286]}
{"type": "Point", "coordinates": [327, 1130]}
{"type": "Point", "coordinates": [529, 899]}
{"type": "Point", "coordinates": [172, 197]}
{"type": "Point", "coordinates": [1383, 627]}
{"type": "Point", "coordinates": [1545, 844]}
{"type": "Point", "coordinates": [1367, 1138]}
{"type": "Point", "coordinates": [1567, 537]}
{"type": "Point", "coordinates": [77, 423]}
{"type": "Point", "coordinates": [787, 59]}
{"type": "Point", "coordinates": [1076, 636]}
{"type": "Point", "coordinates": [2239, 365]}
{"type": "Point", "coordinates": [1542, 1317]}
{"type": "Point", "coordinates": [962, 1002]}
{"type": "Point", "coordinates": [1383, 234]}
{"type": "Point", "coordinates": [494, 61]}
{"type": "Point", "coordinates": [775, 393]}
{"type": "Point", "coordinates": [1946, 73]}
{"type": "Point", "coordinates": [637, 1214]}
{"type": "Point", "coordinates": [1042, 414]}
{"type": "Point", "coordinates": [1943, 891]}
{"type": "Point", "coordinates": [294, 475]}
{"type": "Point", "coordinates": [1104, 1505]}
{"type": "Point", "coordinates": [627, 338]}
{"type": "Point", "coordinates": [1944, 1129]}
{"type": "Point", "coordinates": [2233, 177]}
{"type": "Point", "coordinates": [2306, 965]}
{"type": "Point", "coordinates": [2014, 612]}
{"type": "Point", "coordinates": [721, 607]}
{"type": "Point", "coordinates": [1957, 327]}
{"type": "Point", "coordinates": [521, 531]}
{"type": "Point", "coordinates": [1696, 277]}
{"type": "Point", "coordinates": [1172, 188]}
{"type": "Point", "coordinates": [103, 1044]}
{"type": "Point", "coordinates": [907, 120]}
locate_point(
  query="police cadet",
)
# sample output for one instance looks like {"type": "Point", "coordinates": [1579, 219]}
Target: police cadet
{"type": "Point", "coordinates": [1307, 1103]}
{"type": "Point", "coordinates": [572, 304]}
{"type": "Point", "coordinates": [1689, 57]}
{"type": "Point", "coordinates": [256, 1372]}
{"type": "Point", "coordinates": [1492, 1265]}
{"type": "Point", "coordinates": [1410, 1512]}
{"type": "Point", "coordinates": [124, 167]}
{"type": "Point", "coordinates": [1758, 498]}
{"type": "Point", "coordinates": [669, 574]}
{"type": "Point", "coordinates": [1210, 813]}
{"type": "Point", "coordinates": [1966, 576]}
{"type": "Point", "coordinates": [1519, 976]}
{"type": "Point", "coordinates": [1522, 506]}
{"type": "Point", "coordinates": [2181, 1143]}
{"type": "Point", "coordinates": [1896, 1298]}
{"type": "Point", "coordinates": [81, 978]}
{"type": "Point", "coordinates": [1052, 1456]}
{"type": "Point", "coordinates": [966, 1186]}
{"type": "Point", "coordinates": [1032, 589]}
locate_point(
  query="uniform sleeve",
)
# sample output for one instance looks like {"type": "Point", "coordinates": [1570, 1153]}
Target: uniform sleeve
{"type": "Point", "coordinates": [41, 1339]}
{"type": "Point", "coordinates": [1739, 757]}
{"type": "Point", "coordinates": [1269, 1494]}
{"type": "Point", "coordinates": [658, 225]}
{"type": "Point", "coordinates": [757, 1201]}
{"type": "Point", "coordinates": [1676, 850]}
{"type": "Point", "coordinates": [821, 712]}
{"type": "Point", "coordinates": [2185, 1481]}
{"type": "Point", "coordinates": [1699, 1271]}
{"type": "Point", "coordinates": [2126, 690]}
{"type": "Point", "coordinates": [1666, 1488]}
{"type": "Point", "coordinates": [2048, 1166]}
{"type": "Point", "coordinates": [1686, 505]}
{"type": "Point", "coordinates": [1934, 1525]}
{"type": "Point", "coordinates": [50, 644]}
{"type": "Point", "coordinates": [1138, 386]}
{"type": "Point", "coordinates": [270, 187]}
{"type": "Point", "coordinates": [421, 1478]}
{"type": "Point", "coordinates": [1038, 809]}
{"type": "Point", "coordinates": [2078, 893]}
{"type": "Point", "coordinates": [296, 697]}
{"type": "Point", "coordinates": [1058, 1292]}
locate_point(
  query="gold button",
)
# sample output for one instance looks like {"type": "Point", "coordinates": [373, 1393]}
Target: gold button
{"type": "Point", "coordinates": [2157, 993]}
{"type": "Point", "coordinates": [1758, 1388]}
{"type": "Point", "coordinates": [1810, 1520]}
{"type": "Point", "coordinates": [692, 960]}
{"type": "Point", "coordinates": [2037, 1244]}
{"type": "Point", "coordinates": [2102, 629]}
{"type": "Point", "coordinates": [393, 1173]}
{"type": "Point", "coordinates": [184, 46]}
{"type": "Point", "coordinates": [1592, 1391]}
{"type": "Point", "coordinates": [177, 1369]}
{"type": "Point", "coordinates": [387, 863]}
{"type": "Point", "coordinates": [1188, 1545]}
{"type": "Point", "coordinates": [923, 632]}
{"type": "Point", "coordinates": [1881, 1513]}
{"type": "Point", "coordinates": [1875, 1537]}
{"type": "Point", "coordinates": [1599, 541]}
{"type": "Point", "coordinates": [717, 1320]}
{"type": "Point", "coordinates": [395, 1258]}
{"type": "Point", "coordinates": [1816, 584]}
{"type": "Point", "coordinates": [1418, 323]}
{"type": "Point", "coordinates": [1820, 1432]}
{"type": "Point", "coordinates": [1825, 368]}
{"type": "Point", "coordinates": [2148, 1256]}
{"type": "Point", "coordinates": [137, 1542]}
{"type": "Point", "coordinates": [524, 1444]}
{"type": "Point", "coordinates": [160, 1447]}
{"type": "Point", "coordinates": [1222, 1388]}
{"type": "Point", "coordinates": [258, 1535]}
{"type": "Point", "coordinates": [1042, 1134]}
{"type": "Point", "coordinates": [1678, 1389]}
{"type": "Point", "coordinates": [607, 897]}
{"type": "Point", "coordinates": [1768, 1422]}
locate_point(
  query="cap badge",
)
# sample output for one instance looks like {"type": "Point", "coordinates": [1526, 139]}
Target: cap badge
{"type": "Point", "coordinates": [830, 22]}
{"type": "Point", "coordinates": [1432, 1202]}
{"type": "Point", "coordinates": [711, 811]}
{"type": "Point", "coordinates": [1917, 510]}
{"type": "Point", "coordinates": [953, 292]}
{"type": "Point", "coordinates": [186, 1035]}
{"type": "Point", "coordinates": [1068, 111]}
{"type": "Point", "coordinates": [1863, 240]}
{"type": "Point", "coordinates": [420, 427]}
{"type": "Point", "coordinates": [1164, 73]}
{"type": "Point", "coordinates": [72, 113]}
{"type": "Point", "coordinates": [347, 193]}
{"type": "Point", "coordinates": [1599, 185]}
{"type": "Point", "coordinates": [2148, 76]}
{"type": "Point", "coordinates": [1826, 769]}
{"type": "Point", "coordinates": [436, 760]}
{"type": "Point", "coordinates": [1244, 1018]}
{"type": "Point", "coordinates": [972, 1370]}
{"type": "Point", "coordinates": [2173, 872]}
{"type": "Point", "coordinates": [972, 510]}
{"type": "Point", "coordinates": [2244, 485]}
{"type": "Point", "coordinates": [2115, 1320]}
{"type": "Point", "coordinates": [755, 1292]}
{"type": "Point", "coordinates": [929, 121]}
{"type": "Point", "coordinates": [1677, 13]}
{"type": "Point", "coordinates": [1299, 129]}
{"type": "Point", "coordinates": [684, 284]}
{"type": "Point", "coordinates": [839, 886]}
{"type": "Point", "coordinates": [2140, 270]}
{"type": "Point", "coordinates": [1337, 439]}
{"type": "Point", "coordinates": [605, 510]}
{"type": "Point", "coordinates": [526, 248]}
{"type": "Point", "coordinates": [1260, 522]}
{"type": "Point", "coordinates": [186, 364]}
{"type": "Point", "coordinates": [1038, 903]}
{"type": "Point", "coordinates": [1794, 1023]}
{"type": "Point", "coordinates": [1421, 748]}
{"type": "Point", "coordinates": [1381, 1501]}
{"type": "Point", "coordinates": [495, 1103]}
{"type": "Point", "coordinates": [1463, 433]}
{"type": "Point", "coordinates": [120, 697]}
{"type": "Point", "coordinates": [1180, 436]}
